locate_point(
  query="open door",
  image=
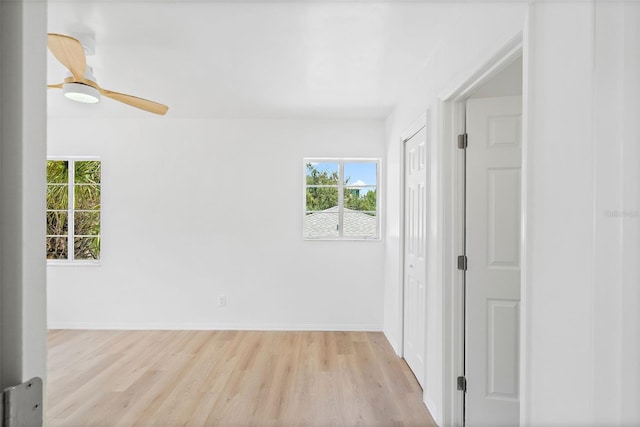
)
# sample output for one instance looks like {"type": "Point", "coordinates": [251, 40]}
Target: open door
{"type": "Point", "coordinates": [492, 280]}
{"type": "Point", "coordinates": [23, 122]}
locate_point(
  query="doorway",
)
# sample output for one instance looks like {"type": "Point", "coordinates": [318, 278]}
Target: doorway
{"type": "Point", "coordinates": [487, 80]}
{"type": "Point", "coordinates": [492, 150]}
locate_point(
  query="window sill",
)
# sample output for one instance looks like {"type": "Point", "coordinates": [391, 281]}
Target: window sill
{"type": "Point", "coordinates": [342, 239]}
{"type": "Point", "coordinates": [63, 263]}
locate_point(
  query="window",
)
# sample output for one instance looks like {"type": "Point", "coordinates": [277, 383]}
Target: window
{"type": "Point", "coordinates": [341, 199]}
{"type": "Point", "coordinates": [73, 210]}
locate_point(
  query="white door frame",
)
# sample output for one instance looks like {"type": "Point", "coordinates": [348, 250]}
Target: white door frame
{"type": "Point", "coordinates": [452, 106]}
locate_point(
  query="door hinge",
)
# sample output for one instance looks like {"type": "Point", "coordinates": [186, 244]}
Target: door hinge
{"type": "Point", "coordinates": [22, 404]}
{"type": "Point", "coordinates": [462, 141]}
{"type": "Point", "coordinates": [461, 384]}
{"type": "Point", "coordinates": [462, 262]}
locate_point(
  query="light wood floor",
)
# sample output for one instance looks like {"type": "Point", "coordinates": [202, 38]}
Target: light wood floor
{"type": "Point", "coordinates": [229, 378]}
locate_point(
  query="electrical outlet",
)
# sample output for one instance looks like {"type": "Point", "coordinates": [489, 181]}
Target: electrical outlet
{"type": "Point", "coordinates": [222, 300]}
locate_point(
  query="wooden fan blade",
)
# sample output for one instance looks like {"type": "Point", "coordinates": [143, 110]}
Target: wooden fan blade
{"type": "Point", "coordinates": [69, 52]}
{"type": "Point", "coordinates": [134, 101]}
{"type": "Point", "coordinates": [58, 86]}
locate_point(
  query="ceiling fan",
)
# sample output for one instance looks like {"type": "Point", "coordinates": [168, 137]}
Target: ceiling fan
{"type": "Point", "coordinates": [81, 85]}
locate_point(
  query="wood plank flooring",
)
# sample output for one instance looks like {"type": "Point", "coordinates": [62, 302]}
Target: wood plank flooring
{"type": "Point", "coordinates": [229, 378]}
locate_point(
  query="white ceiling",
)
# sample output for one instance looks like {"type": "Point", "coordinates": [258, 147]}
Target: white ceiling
{"type": "Point", "coordinates": [310, 59]}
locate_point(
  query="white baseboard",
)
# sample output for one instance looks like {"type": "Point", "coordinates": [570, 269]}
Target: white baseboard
{"type": "Point", "coordinates": [433, 410]}
{"type": "Point", "coordinates": [215, 326]}
{"type": "Point", "coordinates": [395, 344]}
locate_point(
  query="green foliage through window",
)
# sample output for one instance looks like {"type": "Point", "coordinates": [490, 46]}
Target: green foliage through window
{"type": "Point", "coordinates": [73, 209]}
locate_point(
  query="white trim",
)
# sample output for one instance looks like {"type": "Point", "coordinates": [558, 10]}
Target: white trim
{"type": "Point", "coordinates": [433, 410]}
{"type": "Point", "coordinates": [417, 126]}
{"type": "Point", "coordinates": [74, 263]}
{"type": "Point", "coordinates": [342, 239]}
{"type": "Point", "coordinates": [451, 244]}
{"type": "Point", "coordinates": [71, 208]}
{"type": "Point", "coordinates": [501, 59]}
{"type": "Point", "coordinates": [394, 343]}
{"type": "Point", "coordinates": [75, 158]}
{"type": "Point", "coordinates": [524, 223]}
{"type": "Point", "coordinates": [213, 326]}
{"type": "Point", "coordinates": [453, 122]}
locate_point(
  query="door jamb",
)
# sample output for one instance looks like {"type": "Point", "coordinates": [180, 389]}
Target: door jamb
{"type": "Point", "coordinates": [452, 106]}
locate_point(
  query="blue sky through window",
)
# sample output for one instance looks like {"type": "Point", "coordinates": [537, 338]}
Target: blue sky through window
{"type": "Point", "coordinates": [358, 173]}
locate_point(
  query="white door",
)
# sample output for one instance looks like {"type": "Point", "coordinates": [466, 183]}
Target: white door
{"type": "Point", "coordinates": [493, 252]}
{"type": "Point", "coordinates": [415, 252]}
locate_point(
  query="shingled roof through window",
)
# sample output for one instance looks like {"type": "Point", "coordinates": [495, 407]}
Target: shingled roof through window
{"type": "Point", "coordinates": [325, 224]}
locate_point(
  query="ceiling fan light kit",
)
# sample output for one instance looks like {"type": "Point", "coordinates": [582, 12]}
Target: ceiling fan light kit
{"type": "Point", "coordinates": [81, 84]}
{"type": "Point", "coordinates": [81, 92]}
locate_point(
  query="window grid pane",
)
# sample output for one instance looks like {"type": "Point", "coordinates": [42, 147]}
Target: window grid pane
{"type": "Point", "coordinates": [87, 223]}
{"type": "Point", "coordinates": [87, 172]}
{"type": "Point", "coordinates": [320, 199]}
{"type": "Point", "coordinates": [57, 171]}
{"type": "Point", "coordinates": [57, 223]}
{"type": "Point", "coordinates": [56, 247]}
{"type": "Point", "coordinates": [360, 173]}
{"type": "Point", "coordinates": [360, 199]}
{"type": "Point", "coordinates": [87, 197]}
{"type": "Point", "coordinates": [57, 196]}
{"type": "Point", "coordinates": [86, 248]}
{"type": "Point", "coordinates": [322, 224]}
{"type": "Point", "coordinates": [324, 173]}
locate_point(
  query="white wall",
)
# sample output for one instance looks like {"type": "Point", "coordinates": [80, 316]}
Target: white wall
{"type": "Point", "coordinates": [627, 106]}
{"type": "Point", "coordinates": [460, 50]}
{"type": "Point", "coordinates": [580, 283]}
{"type": "Point", "coordinates": [194, 209]}
{"type": "Point", "coordinates": [560, 282]}
{"type": "Point", "coordinates": [582, 288]}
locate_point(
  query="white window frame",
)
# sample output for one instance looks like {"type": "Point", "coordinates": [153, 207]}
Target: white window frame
{"type": "Point", "coordinates": [71, 261]}
{"type": "Point", "coordinates": [341, 161]}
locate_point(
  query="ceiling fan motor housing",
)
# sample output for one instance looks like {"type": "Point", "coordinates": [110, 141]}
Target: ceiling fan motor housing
{"type": "Point", "coordinates": [88, 42]}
